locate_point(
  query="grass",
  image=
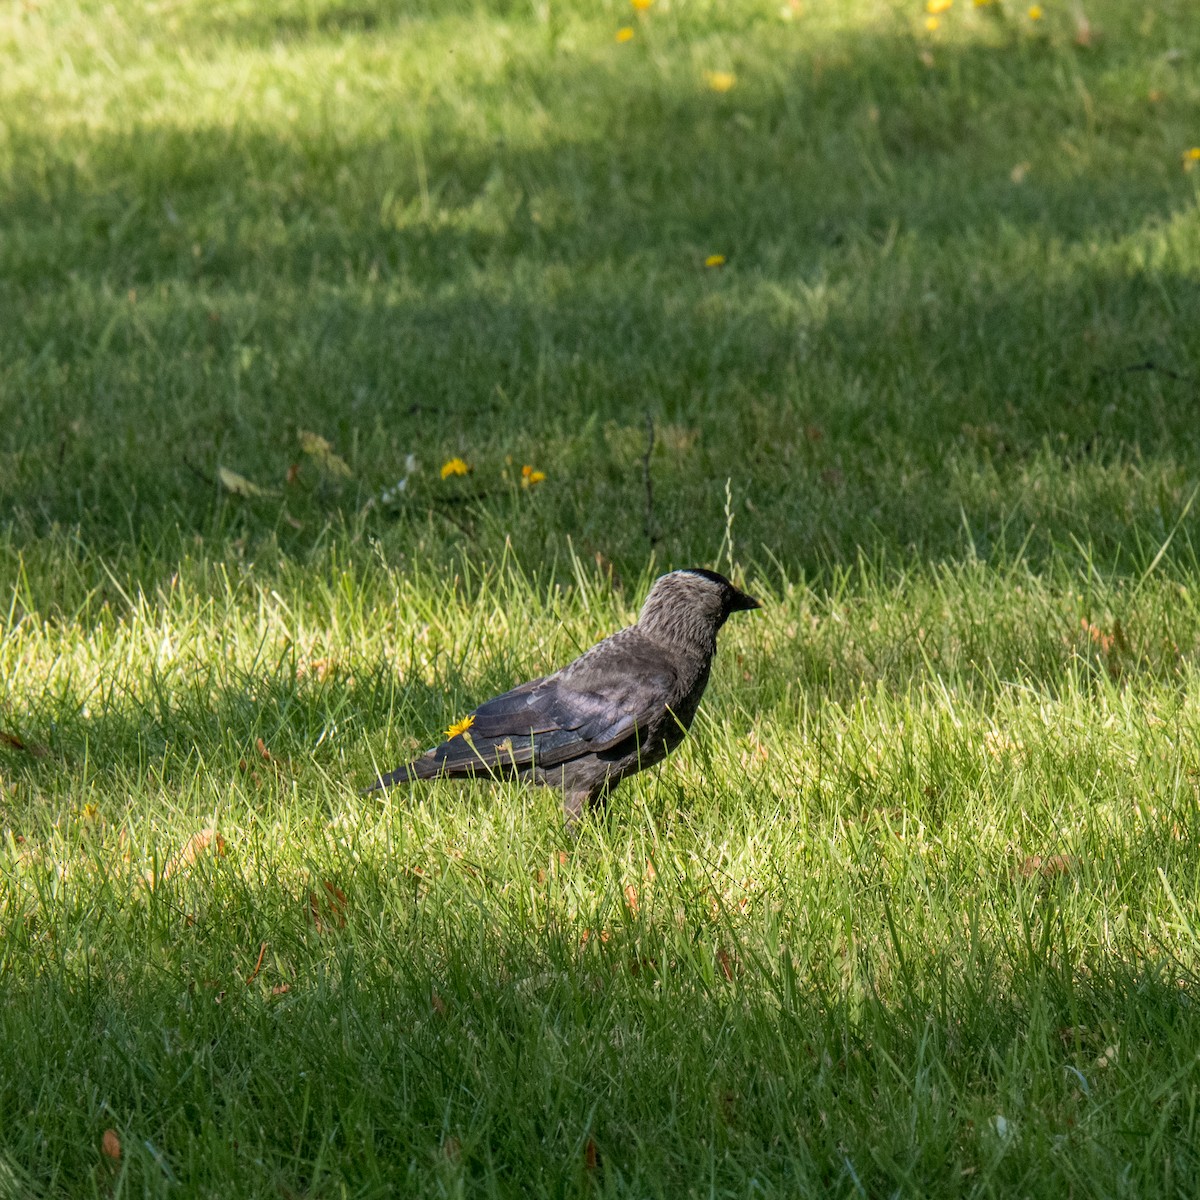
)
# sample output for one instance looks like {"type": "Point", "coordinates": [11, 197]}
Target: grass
{"type": "Point", "coordinates": [913, 911]}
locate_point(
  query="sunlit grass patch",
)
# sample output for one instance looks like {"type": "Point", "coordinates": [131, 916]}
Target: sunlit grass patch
{"type": "Point", "coordinates": [359, 361]}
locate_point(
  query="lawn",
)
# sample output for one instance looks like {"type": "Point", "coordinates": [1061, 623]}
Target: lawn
{"type": "Point", "coordinates": [890, 310]}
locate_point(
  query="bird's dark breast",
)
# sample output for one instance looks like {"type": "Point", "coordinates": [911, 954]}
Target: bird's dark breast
{"type": "Point", "coordinates": [649, 747]}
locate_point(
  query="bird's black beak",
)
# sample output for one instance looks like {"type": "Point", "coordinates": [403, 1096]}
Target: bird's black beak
{"type": "Point", "coordinates": [742, 602]}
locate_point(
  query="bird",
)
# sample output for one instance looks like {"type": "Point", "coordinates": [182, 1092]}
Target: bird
{"type": "Point", "coordinates": [621, 707]}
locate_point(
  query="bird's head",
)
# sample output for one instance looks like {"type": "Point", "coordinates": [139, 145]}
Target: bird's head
{"type": "Point", "coordinates": [690, 606]}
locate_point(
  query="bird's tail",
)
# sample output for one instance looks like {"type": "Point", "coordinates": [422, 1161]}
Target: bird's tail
{"type": "Point", "coordinates": [421, 768]}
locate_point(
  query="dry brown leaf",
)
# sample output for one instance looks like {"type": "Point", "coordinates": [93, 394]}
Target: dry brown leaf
{"type": "Point", "coordinates": [1047, 868]}
{"type": "Point", "coordinates": [322, 450]}
{"type": "Point", "coordinates": [281, 989]}
{"type": "Point", "coordinates": [337, 898]}
{"type": "Point", "coordinates": [196, 845]}
{"type": "Point", "coordinates": [1097, 635]}
{"type": "Point", "coordinates": [329, 910]}
{"type": "Point", "coordinates": [452, 1149]}
{"type": "Point", "coordinates": [439, 1005]}
{"type": "Point", "coordinates": [16, 743]}
{"type": "Point", "coordinates": [239, 485]}
{"type": "Point", "coordinates": [631, 899]}
{"type": "Point", "coordinates": [643, 962]}
{"type": "Point", "coordinates": [110, 1145]}
{"type": "Point", "coordinates": [725, 963]}
{"type": "Point", "coordinates": [591, 1156]}
{"type": "Point", "coordinates": [1030, 866]}
{"type": "Point", "coordinates": [313, 443]}
{"type": "Point", "coordinates": [757, 753]}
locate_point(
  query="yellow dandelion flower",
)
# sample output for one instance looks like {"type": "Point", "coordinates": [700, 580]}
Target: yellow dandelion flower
{"type": "Point", "coordinates": [931, 23]}
{"type": "Point", "coordinates": [625, 33]}
{"type": "Point", "coordinates": [1191, 158]}
{"type": "Point", "coordinates": [1035, 12]}
{"type": "Point", "coordinates": [720, 81]}
{"type": "Point", "coordinates": [455, 466]}
{"type": "Point", "coordinates": [641, 5]}
{"type": "Point", "coordinates": [460, 726]}
{"type": "Point", "coordinates": [715, 260]}
{"type": "Point", "coordinates": [984, 3]}
{"type": "Point", "coordinates": [530, 477]}
{"type": "Point", "coordinates": [937, 7]}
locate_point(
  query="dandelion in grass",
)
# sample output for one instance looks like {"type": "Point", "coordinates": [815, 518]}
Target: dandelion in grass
{"type": "Point", "coordinates": [641, 5]}
{"type": "Point", "coordinates": [456, 466]}
{"type": "Point", "coordinates": [720, 81]}
{"type": "Point", "coordinates": [937, 7]}
{"type": "Point", "coordinates": [460, 726]}
{"type": "Point", "coordinates": [1191, 158]}
{"type": "Point", "coordinates": [530, 477]}
{"type": "Point", "coordinates": [1035, 12]}
{"type": "Point", "coordinates": [932, 23]}
{"type": "Point", "coordinates": [625, 33]}
{"type": "Point", "coordinates": [715, 260]}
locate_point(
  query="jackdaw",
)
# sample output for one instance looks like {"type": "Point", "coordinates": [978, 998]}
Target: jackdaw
{"type": "Point", "coordinates": [619, 708]}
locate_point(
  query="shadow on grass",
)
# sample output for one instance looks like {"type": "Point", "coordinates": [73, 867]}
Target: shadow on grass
{"type": "Point", "coordinates": [391, 1037]}
{"type": "Point", "coordinates": [265, 730]}
{"type": "Point", "coordinates": [904, 343]}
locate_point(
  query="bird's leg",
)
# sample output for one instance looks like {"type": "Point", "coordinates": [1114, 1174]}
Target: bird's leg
{"type": "Point", "coordinates": [576, 803]}
{"type": "Point", "coordinates": [573, 806]}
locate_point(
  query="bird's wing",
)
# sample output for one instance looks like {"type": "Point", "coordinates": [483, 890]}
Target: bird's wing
{"type": "Point", "coordinates": [601, 699]}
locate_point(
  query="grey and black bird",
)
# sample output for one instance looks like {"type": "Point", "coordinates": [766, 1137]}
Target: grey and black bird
{"type": "Point", "coordinates": [619, 708]}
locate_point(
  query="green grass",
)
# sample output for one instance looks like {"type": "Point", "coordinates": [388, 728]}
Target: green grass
{"type": "Point", "coordinates": [914, 910]}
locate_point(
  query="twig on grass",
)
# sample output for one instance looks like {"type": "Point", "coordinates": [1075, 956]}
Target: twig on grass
{"type": "Point", "coordinates": [262, 949]}
{"type": "Point", "coordinates": [651, 535]}
{"type": "Point", "coordinates": [1148, 365]}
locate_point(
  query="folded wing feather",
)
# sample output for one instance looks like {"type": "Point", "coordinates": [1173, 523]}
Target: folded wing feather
{"type": "Point", "coordinates": [555, 719]}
